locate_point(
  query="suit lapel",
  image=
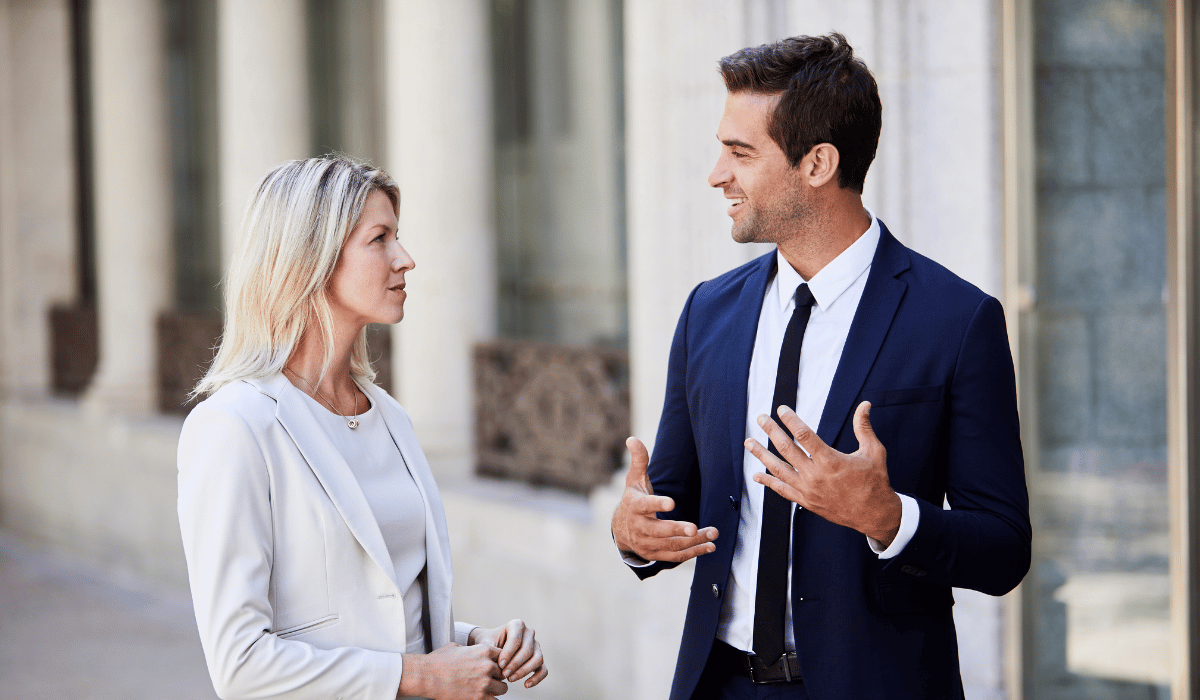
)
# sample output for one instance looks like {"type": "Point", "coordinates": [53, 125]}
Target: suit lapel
{"type": "Point", "coordinates": [739, 350]}
{"type": "Point", "coordinates": [880, 299]}
{"type": "Point", "coordinates": [330, 468]}
{"type": "Point", "coordinates": [439, 572]}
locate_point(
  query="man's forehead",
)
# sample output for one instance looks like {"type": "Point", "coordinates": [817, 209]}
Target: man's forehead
{"type": "Point", "coordinates": [744, 122]}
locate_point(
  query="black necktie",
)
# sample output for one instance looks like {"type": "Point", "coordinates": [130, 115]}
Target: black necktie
{"type": "Point", "coordinates": [770, 596]}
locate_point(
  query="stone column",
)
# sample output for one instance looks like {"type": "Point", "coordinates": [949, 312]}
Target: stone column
{"type": "Point", "coordinates": [133, 197]}
{"type": "Point", "coordinates": [439, 136]}
{"type": "Point", "coordinates": [679, 234]}
{"type": "Point", "coordinates": [263, 107]}
{"type": "Point", "coordinates": [37, 197]}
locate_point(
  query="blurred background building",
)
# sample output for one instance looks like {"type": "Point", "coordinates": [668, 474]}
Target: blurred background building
{"type": "Point", "coordinates": [552, 156]}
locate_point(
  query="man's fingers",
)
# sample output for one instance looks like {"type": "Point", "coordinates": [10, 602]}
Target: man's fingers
{"type": "Point", "coordinates": [782, 488]}
{"type": "Point", "coordinates": [781, 469]}
{"type": "Point", "coordinates": [683, 555]}
{"type": "Point", "coordinates": [801, 434]}
{"type": "Point", "coordinates": [643, 504]}
{"type": "Point", "coordinates": [639, 458]}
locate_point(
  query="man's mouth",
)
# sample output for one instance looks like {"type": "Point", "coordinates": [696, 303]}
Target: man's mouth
{"type": "Point", "coordinates": [735, 204]}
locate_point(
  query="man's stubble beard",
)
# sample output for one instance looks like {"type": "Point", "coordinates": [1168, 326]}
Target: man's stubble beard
{"type": "Point", "coordinates": [772, 224]}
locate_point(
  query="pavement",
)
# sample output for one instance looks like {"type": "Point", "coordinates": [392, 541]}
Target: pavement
{"type": "Point", "coordinates": [71, 630]}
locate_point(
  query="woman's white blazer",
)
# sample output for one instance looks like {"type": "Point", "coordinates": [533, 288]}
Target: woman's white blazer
{"type": "Point", "coordinates": [294, 589]}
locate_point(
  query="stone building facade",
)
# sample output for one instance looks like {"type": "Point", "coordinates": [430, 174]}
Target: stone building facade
{"type": "Point", "coordinates": [552, 156]}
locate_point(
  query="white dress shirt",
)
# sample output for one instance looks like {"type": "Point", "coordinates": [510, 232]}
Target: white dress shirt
{"type": "Point", "coordinates": [836, 289]}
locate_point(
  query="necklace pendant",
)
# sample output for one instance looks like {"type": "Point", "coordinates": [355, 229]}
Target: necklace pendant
{"type": "Point", "coordinates": [353, 423]}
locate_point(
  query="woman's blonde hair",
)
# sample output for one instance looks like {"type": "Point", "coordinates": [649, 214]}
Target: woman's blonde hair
{"type": "Point", "coordinates": [289, 240]}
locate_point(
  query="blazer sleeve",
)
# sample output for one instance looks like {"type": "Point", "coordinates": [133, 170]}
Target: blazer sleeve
{"type": "Point", "coordinates": [983, 542]}
{"type": "Point", "coordinates": [225, 519]}
{"type": "Point", "coordinates": [674, 468]}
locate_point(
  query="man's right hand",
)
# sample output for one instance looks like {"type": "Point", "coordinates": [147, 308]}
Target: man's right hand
{"type": "Point", "coordinates": [635, 524]}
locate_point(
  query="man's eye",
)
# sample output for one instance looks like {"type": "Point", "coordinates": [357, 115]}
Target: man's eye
{"type": "Point", "coordinates": [738, 155]}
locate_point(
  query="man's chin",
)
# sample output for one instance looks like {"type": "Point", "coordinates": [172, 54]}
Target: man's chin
{"type": "Point", "coordinates": [746, 234]}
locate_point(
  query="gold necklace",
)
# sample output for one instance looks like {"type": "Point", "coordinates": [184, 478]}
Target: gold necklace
{"type": "Point", "coordinates": [352, 421]}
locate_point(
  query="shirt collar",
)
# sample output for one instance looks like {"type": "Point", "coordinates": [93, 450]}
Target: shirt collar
{"type": "Point", "coordinates": [833, 279]}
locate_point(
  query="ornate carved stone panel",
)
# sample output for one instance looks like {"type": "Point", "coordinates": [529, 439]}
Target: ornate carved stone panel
{"type": "Point", "coordinates": [550, 414]}
{"type": "Point", "coordinates": [74, 347]}
{"type": "Point", "coordinates": [187, 343]}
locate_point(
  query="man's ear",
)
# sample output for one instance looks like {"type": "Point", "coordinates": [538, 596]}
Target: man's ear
{"type": "Point", "coordinates": [820, 165]}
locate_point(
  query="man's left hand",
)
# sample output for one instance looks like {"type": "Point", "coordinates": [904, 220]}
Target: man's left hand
{"type": "Point", "coordinates": [846, 489]}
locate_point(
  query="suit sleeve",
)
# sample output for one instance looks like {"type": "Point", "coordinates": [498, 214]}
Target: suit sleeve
{"type": "Point", "coordinates": [983, 541]}
{"type": "Point", "coordinates": [674, 468]}
{"type": "Point", "coordinates": [225, 519]}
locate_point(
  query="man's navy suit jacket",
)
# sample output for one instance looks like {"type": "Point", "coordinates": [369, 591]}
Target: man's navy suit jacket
{"type": "Point", "coordinates": [930, 352]}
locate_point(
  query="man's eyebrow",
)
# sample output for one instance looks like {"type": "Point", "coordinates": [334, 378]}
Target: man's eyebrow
{"type": "Point", "coordinates": [737, 144]}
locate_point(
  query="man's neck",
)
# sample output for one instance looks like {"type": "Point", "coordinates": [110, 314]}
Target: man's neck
{"type": "Point", "coordinates": [826, 237]}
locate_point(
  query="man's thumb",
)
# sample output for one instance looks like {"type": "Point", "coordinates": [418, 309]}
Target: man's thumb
{"type": "Point", "coordinates": [862, 425]}
{"type": "Point", "coordinates": [639, 458]}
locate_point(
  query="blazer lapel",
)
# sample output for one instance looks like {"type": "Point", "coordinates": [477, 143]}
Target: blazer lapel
{"type": "Point", "coordinates": [880, 299]}
{"type": "Point", "coordinates": [330, 468]}
{"type": "Point", "coordinates": [439, 571]}
{"type": "Point", "coordinates": [739, 350]}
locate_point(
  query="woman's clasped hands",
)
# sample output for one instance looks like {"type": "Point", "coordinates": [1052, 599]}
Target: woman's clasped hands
{"type": "Point", "coordinates": [478, 671]}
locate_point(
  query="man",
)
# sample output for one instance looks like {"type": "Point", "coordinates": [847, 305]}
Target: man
{"type": "Point", "coordinates": [903, 368]}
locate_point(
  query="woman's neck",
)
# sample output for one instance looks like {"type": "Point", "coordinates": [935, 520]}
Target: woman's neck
{"type": "Point", "coordinates": [303, 368]}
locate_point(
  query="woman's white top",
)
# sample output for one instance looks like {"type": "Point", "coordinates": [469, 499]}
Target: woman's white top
{"type": "Point", "coordinates": [394, 499]}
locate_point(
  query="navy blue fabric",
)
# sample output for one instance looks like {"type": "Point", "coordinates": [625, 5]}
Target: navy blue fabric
{"type": "Point", "coordinates": [725, 687]}
{"type": "Point", "coordinates": [931, 353]}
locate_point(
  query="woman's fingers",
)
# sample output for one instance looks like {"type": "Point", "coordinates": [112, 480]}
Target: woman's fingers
{"type": "Point", "coordinates": [513, 669]}
{"type": "Point", "coordinates": [513, 637]}
{"type": "Point", "coordinates": [537, 677]}
{"type": "Point", "coordinates": [535, 664]}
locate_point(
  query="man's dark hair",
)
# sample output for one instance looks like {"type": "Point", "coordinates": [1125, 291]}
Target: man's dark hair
{"type": "Point", "coordinates": [826, 96]}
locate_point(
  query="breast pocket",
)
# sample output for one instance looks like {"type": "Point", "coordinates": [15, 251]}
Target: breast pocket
{"type": "Point", "coordinates": [901, 397]}
{"type": "Point", "coordinates": [909, 423]}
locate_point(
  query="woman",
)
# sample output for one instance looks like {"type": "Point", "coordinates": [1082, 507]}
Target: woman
{"type": "Point", "coordinates": [315, 536]}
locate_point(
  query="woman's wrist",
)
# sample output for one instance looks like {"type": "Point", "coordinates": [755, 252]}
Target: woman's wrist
{"type": "Point", "coordinates": [411, 676]}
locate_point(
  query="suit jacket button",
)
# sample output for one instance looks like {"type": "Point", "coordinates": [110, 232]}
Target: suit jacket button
{"type": "Point", "coordinates": [716, 591]}
{"type": "Point", "coordinates": [733, 502]}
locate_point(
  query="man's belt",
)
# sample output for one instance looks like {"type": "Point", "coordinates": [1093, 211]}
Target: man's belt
{"type": "Point", "coordinates": [736, 662]}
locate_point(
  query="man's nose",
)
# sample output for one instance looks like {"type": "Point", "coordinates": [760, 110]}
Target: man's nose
{"type": "Point", "coordinates": [720, 175]}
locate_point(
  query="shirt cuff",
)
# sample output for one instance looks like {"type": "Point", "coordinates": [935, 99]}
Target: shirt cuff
{"type": "Point", "coordinates": [630, 558]}
{"type": "Point", "coordinates": [910, 515]}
